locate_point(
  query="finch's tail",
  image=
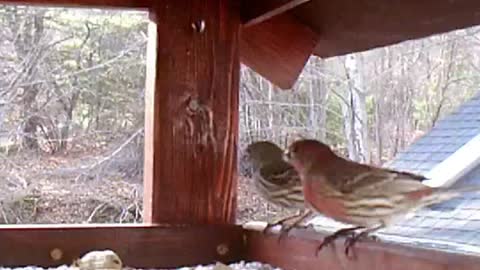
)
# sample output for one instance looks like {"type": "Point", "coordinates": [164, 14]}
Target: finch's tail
{"type": "Point", "coordinates": [439, 195]}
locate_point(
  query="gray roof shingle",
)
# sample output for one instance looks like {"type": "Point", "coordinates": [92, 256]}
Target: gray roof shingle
{"type": "Point", "coordinates": [446, 137]}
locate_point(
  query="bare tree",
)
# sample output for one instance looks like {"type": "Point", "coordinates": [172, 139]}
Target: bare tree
{"type": "Point", "coordinates": [355, 112]}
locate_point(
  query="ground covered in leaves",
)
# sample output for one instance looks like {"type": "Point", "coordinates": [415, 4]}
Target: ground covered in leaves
{"type": "Point", "coordinates": [74, 188]}
{"type": "Point", "coordinates": [90, 187]}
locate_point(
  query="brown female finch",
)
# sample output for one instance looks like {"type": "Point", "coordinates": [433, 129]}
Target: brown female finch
{"type": "Point", "coordinates": [367, 197]}
{"type": "Point", "coordinates": [275, 180]}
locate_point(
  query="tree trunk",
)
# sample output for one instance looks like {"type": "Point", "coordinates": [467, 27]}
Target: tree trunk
{"type": "Point", "coordinates": [355, 113]}
{"type": "Point", "coordinates": [318, 99]}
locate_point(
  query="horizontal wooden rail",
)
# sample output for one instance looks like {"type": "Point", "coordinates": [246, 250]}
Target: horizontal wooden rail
{"type": "Point", "coordinates": [297, 251]}
{"type": "Point", "coordinates": [137, 246]}
{"type": "Point", "coordinates": [145, 246]}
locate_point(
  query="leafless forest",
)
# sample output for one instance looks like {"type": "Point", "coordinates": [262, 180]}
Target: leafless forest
{"type": "Point", "coordinates": [72, 85]}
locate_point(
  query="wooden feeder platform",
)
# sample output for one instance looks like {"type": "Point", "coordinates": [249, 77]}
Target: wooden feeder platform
{"type": "Point", "coordinates": [191, 129]}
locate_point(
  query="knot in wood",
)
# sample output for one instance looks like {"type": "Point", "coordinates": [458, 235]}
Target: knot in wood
{"type": "Point", "coordinates": [199, 26]}
{"type": "Point", "coordinates": [222, 249]}
{"type": "Point", "coordinates": [56, 254]}
{"type": "Point", "coordinates": [193, 106]}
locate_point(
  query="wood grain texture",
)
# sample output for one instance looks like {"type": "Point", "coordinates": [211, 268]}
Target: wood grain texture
{"type": "Point", "coordinates": [278, 49]}
{"type": "Point", "coordinates": [192, 113]}
{"type": "Point", "coordinates": [298, 252]}
{"type": "Point", "coordinates": [127, 4]}
{"type": "Point", "coordinates": [137, 246]}
{"type": "Point", "coordinates": [351, 26]}
{"type": "Point", "coordinates": [254, 12]}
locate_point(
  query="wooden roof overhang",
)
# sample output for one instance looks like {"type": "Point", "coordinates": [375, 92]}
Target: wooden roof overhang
{"type": "Point", "coordinates": [191, 129]}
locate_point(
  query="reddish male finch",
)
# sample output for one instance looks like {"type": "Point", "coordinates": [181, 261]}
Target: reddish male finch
{"type": "Point", "coordinates": [367, 197]}
{"type": "Point", "coordinates": [275, 180]}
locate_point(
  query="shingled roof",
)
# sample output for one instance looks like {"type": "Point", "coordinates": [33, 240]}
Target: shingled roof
{"type": "Point", "coordinates": [446, 137]}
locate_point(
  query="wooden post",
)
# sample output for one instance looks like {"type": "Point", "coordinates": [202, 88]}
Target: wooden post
{"type": "Point", "coordinates": [192, 112]}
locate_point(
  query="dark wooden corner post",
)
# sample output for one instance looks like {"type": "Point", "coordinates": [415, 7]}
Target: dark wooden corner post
{"type": "Point", "coordinates": [192, 112]}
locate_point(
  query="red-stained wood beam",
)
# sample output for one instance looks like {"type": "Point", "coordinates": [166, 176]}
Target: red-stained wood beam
{"type": "Point", "coordinates": [352, 26]}
{"type": "Point", "coordinates": [278, 49]}
{"type": "Point", "coordinates": [137, 246]}
{"type": "Point", "coordinates": [191, 123]}
{"type": "Point", "coordinates": [297, 251]}
{"type": "Point", "coordinates": [254, 12]}
{"type": "Point", "coordinates": [127, 4]}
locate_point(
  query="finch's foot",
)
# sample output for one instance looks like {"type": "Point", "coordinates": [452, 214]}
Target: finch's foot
{"type": "Point", "coordinates": [285, 230]}
{"type": "Point", "coordinates": [342, 232]}
{"type": "Point", "coordinates": [350, 241]}
{"type": "Point", "coordinates": [280, 222]}
{"type": "Point", "coordinates": [269, 226]}
{"type": "Point", "coordinates": [297, 219]}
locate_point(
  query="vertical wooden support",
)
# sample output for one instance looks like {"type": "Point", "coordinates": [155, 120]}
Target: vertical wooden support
{"type": "Point", "coordinates": [192, 112]}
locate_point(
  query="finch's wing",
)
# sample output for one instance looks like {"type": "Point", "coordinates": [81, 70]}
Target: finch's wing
{"type": "Point", "coordinates": [359, 178]}
{"type": "Point", "coordinates": [280, 174]}
{"type": "Point", "coordinates": [282, 185]}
